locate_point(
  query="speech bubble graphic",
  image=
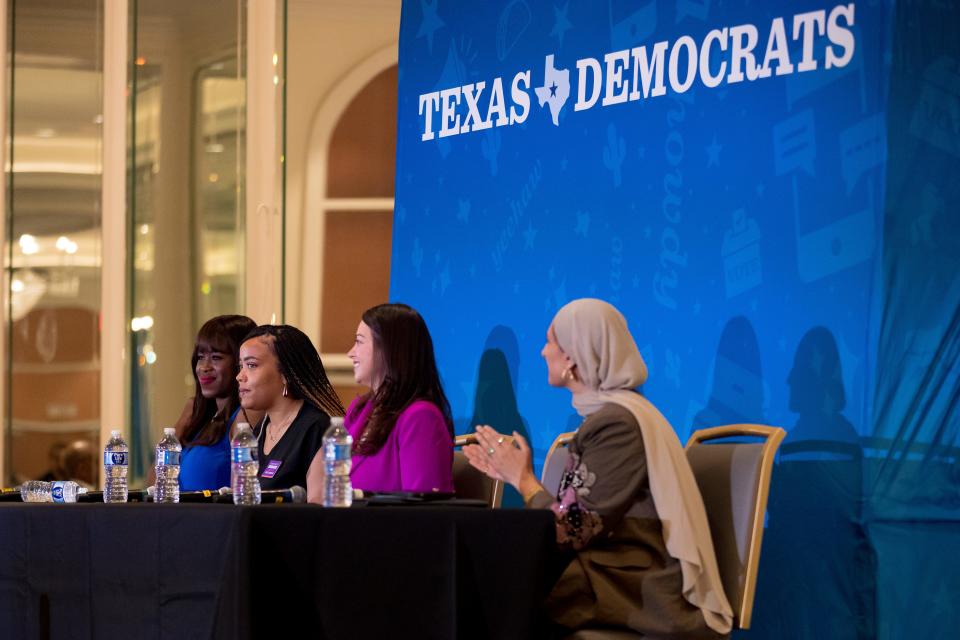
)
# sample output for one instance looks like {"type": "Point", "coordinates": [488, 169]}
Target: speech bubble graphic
{"type": "Point", "coordinates": [794, 144]}
{"type": "Point", "coordinates": [862, 147]}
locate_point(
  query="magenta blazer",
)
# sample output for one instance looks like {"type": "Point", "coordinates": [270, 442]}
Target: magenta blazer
{"type": "Point", "coordinates": [417, 456]}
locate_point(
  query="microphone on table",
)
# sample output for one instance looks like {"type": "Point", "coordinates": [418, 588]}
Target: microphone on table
{"type": "Point", "coordinates": [295, 494]}
{"type": "Point", "coordinates": [133, 495]}
{"type": "Point", "coordinates": [8, 494]}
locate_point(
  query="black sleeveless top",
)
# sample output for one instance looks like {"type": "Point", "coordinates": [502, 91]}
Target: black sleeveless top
{"type": "Point", "coordinates": [287, 463]}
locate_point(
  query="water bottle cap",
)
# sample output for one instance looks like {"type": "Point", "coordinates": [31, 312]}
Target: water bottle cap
{"type": "Point", "coordinates": [243, 425]}
{"type": "Point", "coordinates": [169, 431]}
{"type": "Point", "coordinates": [336, 421]}
{"type": "Point", "coordinates": [115, 433]}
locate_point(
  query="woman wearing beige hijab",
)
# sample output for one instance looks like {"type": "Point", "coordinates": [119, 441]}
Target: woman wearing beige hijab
{"type": "Point", "coordinates": [627, 503]}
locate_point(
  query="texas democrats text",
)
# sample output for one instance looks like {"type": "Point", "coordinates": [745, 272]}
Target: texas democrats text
{"type": "Point", "coordinates": [629, 74]}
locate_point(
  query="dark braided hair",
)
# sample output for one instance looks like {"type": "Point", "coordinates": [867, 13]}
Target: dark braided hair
{"type": "Point", "coordinates": [224, 334]}
{"type": "Point", "coordinates": [403, 347]}
{"type": "Point", "coordinates": [300, 365]}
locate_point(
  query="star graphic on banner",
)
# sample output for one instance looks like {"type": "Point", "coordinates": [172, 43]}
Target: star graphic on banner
{"type": "Point", "coordinates": [553, 90]}
{"type": "Point", "coordinates": [431, 22]}
{"type": "Point", "coordinates": [529, 236]}
{"type": "Point", "coordinates": [713, 153]}
{"type": "Point", "coordinates": [560, 23]}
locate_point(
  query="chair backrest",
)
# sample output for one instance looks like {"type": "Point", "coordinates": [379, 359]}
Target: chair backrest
{"type": "Point", "coordinates": [470, 482]}
{"type": "Point", "coordinates": [734, 480]}
{"type": "Point", "coordinates": [556, 462]}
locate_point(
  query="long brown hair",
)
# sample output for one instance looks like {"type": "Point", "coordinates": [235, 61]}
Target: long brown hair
{"type": "Point", "coordinates": [402, 344]}
{"type": "Point", "coordinates": [224, 334]}
{"type": "Point", "coordinates": [300, 365]}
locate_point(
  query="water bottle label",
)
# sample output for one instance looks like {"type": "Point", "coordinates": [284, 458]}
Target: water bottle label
{"type": "Point", "coordinates": [243, 454]}
{"type": "Point", "coordinates": [333, 452]}
{"type": "Point", "coordinates": [113, 458]}
{"type": "Point", "coordinates": [168, 458]}
{"type": "Point", "coordinates": [57, 492]}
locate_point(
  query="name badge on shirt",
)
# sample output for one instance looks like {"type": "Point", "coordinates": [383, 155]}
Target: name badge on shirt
{"type": "Point", "coordinates": [271, 469]}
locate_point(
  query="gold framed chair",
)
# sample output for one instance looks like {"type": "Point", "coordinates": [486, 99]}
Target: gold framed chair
{"type": "Point", "coordinates": [734, 480]}
{"type": "Point", "coordinates": [470, 482]}
{"type": "Point", "coordinates": [556, 462]}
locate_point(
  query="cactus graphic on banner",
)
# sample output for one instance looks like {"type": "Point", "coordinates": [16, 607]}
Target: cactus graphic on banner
{"type": "Point", "coordinates": [614, 153]}
{"type": "Point", "coordinates": [463, 210]}
{"type": "Point", "coordinates": [490, 148]}
{"type": "Point", "coordinates": [583, 224]}
{"type": "Point", "coordinates": [416, 256]}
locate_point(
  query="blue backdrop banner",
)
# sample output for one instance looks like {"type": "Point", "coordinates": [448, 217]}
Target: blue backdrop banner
{"type": "Point", "coordinates": [765, 190]}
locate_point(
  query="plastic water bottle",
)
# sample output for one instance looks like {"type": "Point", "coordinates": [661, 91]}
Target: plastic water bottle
{"type": "Point", "coordinates": [337, 443]}
{"type": "Point", "coordinates": [168, 467]}
{"type": "Point", "coordinates": [116, 461]}
{"type": "Point", "coordinates": [59, 491]}
{"type": "Point", "coordinates": [244, 466]}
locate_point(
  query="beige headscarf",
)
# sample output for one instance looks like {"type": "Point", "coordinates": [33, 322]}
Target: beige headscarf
{"type": "Point", "coordinates": [595, 337]}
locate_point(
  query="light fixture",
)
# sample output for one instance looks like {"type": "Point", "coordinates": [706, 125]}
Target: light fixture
{"type": "Point", "coordinates": [66, 245]}
{"type": "Point", "coordinates": [28, 244]}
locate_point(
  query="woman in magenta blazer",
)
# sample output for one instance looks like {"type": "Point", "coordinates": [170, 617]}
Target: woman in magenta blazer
{"type": "Point", "coordinates": [402, 430]}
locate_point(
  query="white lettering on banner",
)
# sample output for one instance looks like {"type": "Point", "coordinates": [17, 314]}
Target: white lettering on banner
{"type": "Point", "coordinates": [594, 67]}
{"type": "Point", "coordinates": [628, 74]}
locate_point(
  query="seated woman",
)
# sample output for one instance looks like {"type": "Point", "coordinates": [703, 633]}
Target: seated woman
{"type": "Point", "coordinates": [281, 374]}
{"type": "Point", "coordinates": [206, 424]}
{"type": "Point", "coordinates": [626, 475]}
{"type": "Point", "coordinates": [402, 430]}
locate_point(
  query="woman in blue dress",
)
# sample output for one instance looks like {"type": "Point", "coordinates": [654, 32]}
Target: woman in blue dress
{"type": "Point", "coordinates": [207, 423]}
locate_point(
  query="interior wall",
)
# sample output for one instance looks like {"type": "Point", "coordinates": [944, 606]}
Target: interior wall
{"type": "Point", "coordinates": [325, 42]}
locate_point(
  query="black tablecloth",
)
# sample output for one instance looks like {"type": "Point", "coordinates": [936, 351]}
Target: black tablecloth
{"type": "Point", "coordinates": [220, 571]}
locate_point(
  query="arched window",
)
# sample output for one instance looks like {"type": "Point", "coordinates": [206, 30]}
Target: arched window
{"type": "Point", "coordinates": [342, 252]}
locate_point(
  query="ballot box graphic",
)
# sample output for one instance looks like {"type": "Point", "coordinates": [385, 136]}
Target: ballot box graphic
{"type": "Point", "coordinates": [741, 255]}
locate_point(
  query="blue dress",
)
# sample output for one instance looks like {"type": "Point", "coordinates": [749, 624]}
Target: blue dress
{"type": "Point", "coordinates": [207, 466]}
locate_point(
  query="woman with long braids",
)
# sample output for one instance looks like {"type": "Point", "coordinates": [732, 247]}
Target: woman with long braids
{"type": "Point", "coordinates": [209, 417]}
{"type": "Point", "coordinates": [282, 375]}
{"type": "Point", "coordinates": [402, 430]}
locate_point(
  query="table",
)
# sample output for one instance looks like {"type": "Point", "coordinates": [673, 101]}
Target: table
{"type": "Point", "coordinates": [222, 571]}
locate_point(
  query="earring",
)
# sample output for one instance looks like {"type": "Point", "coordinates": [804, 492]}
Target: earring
{"type": "Point", "coordinates": [284, 390]}
{"type": "Point", "coordinates": [568, 373]}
